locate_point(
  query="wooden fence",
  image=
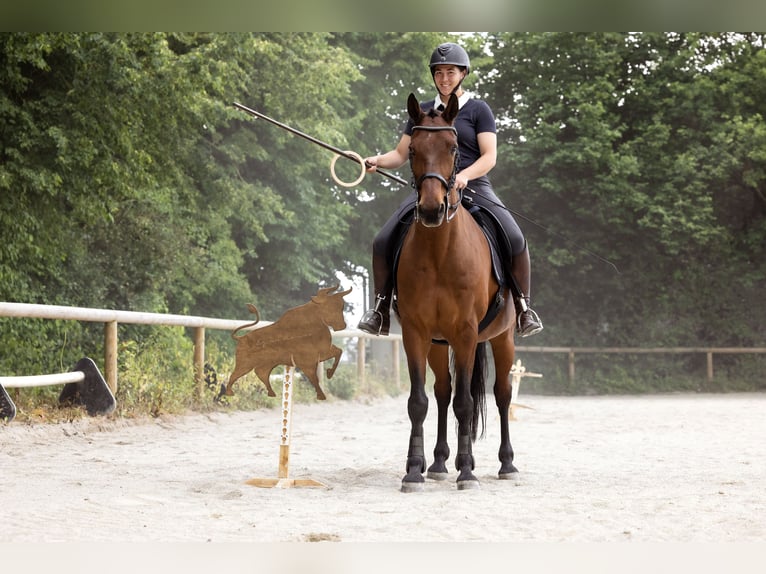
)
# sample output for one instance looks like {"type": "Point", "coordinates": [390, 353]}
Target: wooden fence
{"type": "Point", "coordinates": [708, 351]}
{"type": "Point", "coordinates": [111, 319]}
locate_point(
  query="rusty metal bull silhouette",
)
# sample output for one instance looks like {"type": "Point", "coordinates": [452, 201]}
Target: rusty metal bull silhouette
{"type": "Point", "coordinates": [301, 337]}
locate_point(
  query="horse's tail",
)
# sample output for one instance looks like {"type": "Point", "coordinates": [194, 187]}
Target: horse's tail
{"type": "Point", "coordinates": [478, 383]}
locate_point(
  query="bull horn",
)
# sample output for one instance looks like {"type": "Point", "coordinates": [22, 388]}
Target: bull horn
{"type": "Point", "coordinates": [323, 293]}
{"type": "Point", "coordinates": [328, 290]}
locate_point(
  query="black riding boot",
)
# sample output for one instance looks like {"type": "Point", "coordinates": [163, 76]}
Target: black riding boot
{"type": "Point", "coordinates": [377, 321]}
{"type": "Point", "coordinates": [527, 321]}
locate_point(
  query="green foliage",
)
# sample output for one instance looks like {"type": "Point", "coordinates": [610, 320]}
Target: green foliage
{"type": "Point", "coordinates": [630, 145]}
{"type": "Point", "coordinates": [151, 382]}
{"type": "Point", "coordinates": [129, 181]}
{"type": "Point", "coordinates": [343, 384]}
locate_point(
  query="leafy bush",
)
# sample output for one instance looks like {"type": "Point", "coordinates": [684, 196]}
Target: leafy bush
{"type": "Point", "coordinates": [156, 374]}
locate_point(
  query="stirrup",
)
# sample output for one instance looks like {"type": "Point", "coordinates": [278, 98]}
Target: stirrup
{"type": "Point", "coordinates": [374, 321]}
{"type": "Point", "coordinates": [533, 323]}
{"type": "Point", "coordinates": [371, 322]}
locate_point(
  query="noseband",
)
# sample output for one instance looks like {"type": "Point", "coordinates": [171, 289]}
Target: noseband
{"type": "Point", "coordinates": [447, 183]}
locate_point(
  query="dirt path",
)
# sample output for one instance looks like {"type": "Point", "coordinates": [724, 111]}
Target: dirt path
{"type": "Point", "coordinates": [678, 468]}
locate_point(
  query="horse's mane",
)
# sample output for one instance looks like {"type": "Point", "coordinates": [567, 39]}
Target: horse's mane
{"type": "Point", "coordinates": [432, 113]}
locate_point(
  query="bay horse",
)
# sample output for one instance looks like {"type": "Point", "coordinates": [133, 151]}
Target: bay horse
{"type": "Point", "coordinates": [444, 288]}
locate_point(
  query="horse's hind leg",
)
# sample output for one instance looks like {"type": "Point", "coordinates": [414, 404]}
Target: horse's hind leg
{"type": "Point", "coordinates": [438, 359]}
{"type": "Point", "coordinates": [503, 351]}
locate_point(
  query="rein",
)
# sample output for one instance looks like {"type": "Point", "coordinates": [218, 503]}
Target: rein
{"type": "Point", "coordinates": [447, 183]}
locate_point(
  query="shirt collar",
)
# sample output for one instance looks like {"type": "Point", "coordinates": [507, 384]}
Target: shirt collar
{"type": "Point", "coordinates": [460, 101]}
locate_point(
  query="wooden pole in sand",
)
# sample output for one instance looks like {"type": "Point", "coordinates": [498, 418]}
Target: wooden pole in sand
{"type": "Point", "coordinates": [283, 479]}
{"type": "Point", "coordinates": [517, 372]}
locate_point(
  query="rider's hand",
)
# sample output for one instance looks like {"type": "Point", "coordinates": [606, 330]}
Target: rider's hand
{"type": "Point", "coordinates": [461, 181]}
{"type": "Point", "coordinates": [371, 163]}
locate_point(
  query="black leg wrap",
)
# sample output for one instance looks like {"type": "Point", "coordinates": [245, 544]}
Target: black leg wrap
{"type": "Point", "coordinates": [416, 465]}
{"type": "Point", "coordinates": [464, 455]}
{"type": "Point", "coordinates": [416, 453]}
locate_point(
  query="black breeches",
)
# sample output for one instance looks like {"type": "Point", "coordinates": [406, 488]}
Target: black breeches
{"type": "Point", "coordinates": [481, 195]}
{"type": "Point", "coordinates": [484, 197]}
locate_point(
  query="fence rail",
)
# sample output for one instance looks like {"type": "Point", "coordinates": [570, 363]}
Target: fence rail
{"type": "Point", "coordinates": [41, 380]}
{"type": "Point", "coordinates": [111, 319]}
{"type": "Point", "coordinates": [708, 351]}
{"type": "Point", "coordinates": [83, 386]}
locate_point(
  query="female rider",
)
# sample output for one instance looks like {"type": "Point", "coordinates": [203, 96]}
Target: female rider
{"type": "Point", "coordinates": [477, 143]}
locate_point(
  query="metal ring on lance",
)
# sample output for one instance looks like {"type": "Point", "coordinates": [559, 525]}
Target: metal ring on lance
{"type": "Point", "coordinates": [348, 154]}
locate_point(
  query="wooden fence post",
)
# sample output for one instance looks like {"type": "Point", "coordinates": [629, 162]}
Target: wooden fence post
{"type": "Point", "coordinates": [110, 355]}
{"type": "Point", "coordinates": [199, 359]}
{"type": "Point", "coordinates": [571, 367]}
{"type": "Point", "coordinates": [361, 350]}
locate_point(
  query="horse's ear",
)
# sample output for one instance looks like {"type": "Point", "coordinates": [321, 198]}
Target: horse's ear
{"type": "Point", "coordinates": [413, 108]}
{"type": "Point", "coordinates": [450, 112]}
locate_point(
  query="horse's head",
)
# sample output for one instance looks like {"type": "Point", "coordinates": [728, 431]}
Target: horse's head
{"type": "Point", "coordinates": [433, 159]}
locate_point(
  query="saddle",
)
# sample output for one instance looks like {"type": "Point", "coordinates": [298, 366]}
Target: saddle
{"type": "Point", "coordinates": [495, 239]}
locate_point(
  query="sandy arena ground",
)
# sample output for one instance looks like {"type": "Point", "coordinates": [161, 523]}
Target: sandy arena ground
{"type": "Point", "coordinates": [657, 468]}
{"type": "Point", "coordinates": [670, 468]}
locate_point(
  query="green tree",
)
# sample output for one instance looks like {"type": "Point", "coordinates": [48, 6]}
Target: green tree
{"type": "Point", "coordinates": [128, 180]}
{"type": "Point", "coordinates": [635, 147]}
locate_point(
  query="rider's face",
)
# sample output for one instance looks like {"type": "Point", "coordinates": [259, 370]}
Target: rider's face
{"type": "Point", "coordinates": [447, 77]}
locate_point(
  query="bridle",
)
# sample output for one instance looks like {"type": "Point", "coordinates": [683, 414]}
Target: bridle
{"type": "Point", "coordinates": [447, 183]}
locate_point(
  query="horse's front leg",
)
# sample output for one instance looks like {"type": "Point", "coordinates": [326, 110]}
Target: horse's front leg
{"type": "Point", "coordinates": [417, 408]}
{"type": "Point", "coordinates": [463, 405]}
{"type": "Point", "coordinates": [438, 359]}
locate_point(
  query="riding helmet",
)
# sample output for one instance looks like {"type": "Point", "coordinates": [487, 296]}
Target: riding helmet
{"type": "Point", "coordinates": [449, 53]}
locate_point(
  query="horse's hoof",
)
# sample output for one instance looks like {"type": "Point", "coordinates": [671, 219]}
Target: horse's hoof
{"type": "Point", "coordinates": [413, 486]}
{"type": "Point", "coordinates": [467, 484]}
{"type": "Point", "coordinates": [514, 476]}
{"type": "Point", "coordinates": [433, 475]}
